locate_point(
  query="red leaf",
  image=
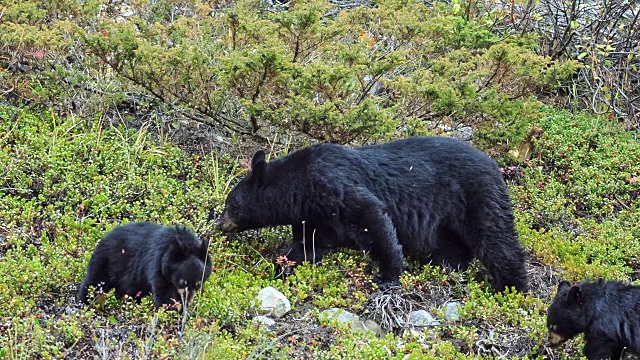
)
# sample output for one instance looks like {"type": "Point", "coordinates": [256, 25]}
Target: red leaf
{"type": "Point", "coordinates": [39, 55]}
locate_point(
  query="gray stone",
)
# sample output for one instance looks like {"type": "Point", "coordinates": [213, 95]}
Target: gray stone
{"type": "Point", "coordinates": [422, 318]}
{"type": "Point", "coordinates": [273, 302]}
{"type": "Point", "coordinates": [452, 311]}
{"type": "Point", "coordinates": [374, 327]}
{"type": "Point", "coordinates": [463, 133]}
{"type": "Point", "coordinates": [343, 316]}
{"type": "Point", "coordinates": [340, 315]}
{"type": "Point", "coordinates": [265, 321]}
{"type": "Point", "coordinates": [127, 11]}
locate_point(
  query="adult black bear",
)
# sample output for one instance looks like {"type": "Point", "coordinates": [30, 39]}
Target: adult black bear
{"type": "Point", "coordinates": [608, 313]}
{"type": "Point", "coordinates": [141, 258]}
{"type": "Point", "coordinates": [435, 198]}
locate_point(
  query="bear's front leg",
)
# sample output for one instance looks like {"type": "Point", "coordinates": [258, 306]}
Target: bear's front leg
{"type": "Point", "coordinates": [377, 235]}
{"type": "Point", "coordinates": [166, 295]}
{"type": "Point", "coordinates": [599, 347]}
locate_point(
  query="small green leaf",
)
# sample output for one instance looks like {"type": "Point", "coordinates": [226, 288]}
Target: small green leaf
{"type": "Point", "coordinates": [582, 55]}
{"type": "Point", "coordinates": [113, 320]}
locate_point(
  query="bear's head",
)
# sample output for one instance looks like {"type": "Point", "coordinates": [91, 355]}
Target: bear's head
{"type": "Point", "coordinates": [567, 315]}
{"type": "Point", "coordinates": [240, 211]}
{"type": "Point", "coordinates": [187, 264]}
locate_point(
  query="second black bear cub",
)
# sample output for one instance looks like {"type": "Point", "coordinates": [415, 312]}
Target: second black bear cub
{"type": "Point", "coordinates": [608, 313]}
{"type": "Point", "coordinates": [139, 258]}
{"type": "Point", "coordinates": [434, 198]}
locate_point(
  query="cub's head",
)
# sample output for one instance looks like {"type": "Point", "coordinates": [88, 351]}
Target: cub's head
{"type": "Point", "coordinates": [187, 264]}
{"type": "Point", "coordinates": [241, 204]}
{"type": "Point", "coordinates": [567, 316]}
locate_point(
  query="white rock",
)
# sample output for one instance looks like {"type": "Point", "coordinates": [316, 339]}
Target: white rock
{"type": "Point", "coordinates": [452, 311]}
{"type": "Point", "coordinates": [374, 327]}
{"type": "Point", "coordinates": [357, 324]}
{"type": "Point", "coordinates": [340, 315]}
{"type": "Point", "coordinates": [422, 318]}
{"type": "Point", "coordinates": [265, 321]}
{"type": "Point", "coordinates": [273, 302]}
{"type": "Point", "coordinates": [127, 11]}
{"type": "Point", "coordinates": [463, 133]}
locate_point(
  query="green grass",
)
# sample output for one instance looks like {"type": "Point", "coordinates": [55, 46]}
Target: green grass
{"type": "Point", "coordinates": [578, 199]}
{"type": "Point", "coordinates": [64, 182]}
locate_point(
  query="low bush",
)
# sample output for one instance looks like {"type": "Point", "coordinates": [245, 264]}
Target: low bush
{"type": "Point", "coordinates": [362, 74]}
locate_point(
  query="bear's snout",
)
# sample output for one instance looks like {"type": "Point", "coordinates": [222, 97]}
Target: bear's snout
{"type": "Point", "coordinates": [555, 339]}
{"type": "Point", "coordinates": [226, 224]}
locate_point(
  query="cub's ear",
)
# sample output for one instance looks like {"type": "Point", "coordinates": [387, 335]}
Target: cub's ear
{"type": "Point", "coordinates": [575, 295]}
{"type": "Point", "coordinates": [258, 167]}
{"type": "Point", "coordinates": [179, 240]}
{"type": "Point", "coordinates": [563, 285]}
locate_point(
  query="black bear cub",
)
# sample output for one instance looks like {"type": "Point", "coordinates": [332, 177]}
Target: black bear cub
{"type": "Point", "coordinates": [607, 312]}
{"type": "Point", "coordinates": [434, 198]}
{"type": "Point", "coordinates": [139, 258]}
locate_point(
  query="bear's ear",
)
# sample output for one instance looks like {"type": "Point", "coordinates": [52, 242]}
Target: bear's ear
{"type": "Point", "coordinates": [575, 295]}
{"type": "Point", "coordinates": [563, 285]}
{"type": "Point", "coordinates": [258, 166]}
{"type": "Point", "coordinates": [178, 242]}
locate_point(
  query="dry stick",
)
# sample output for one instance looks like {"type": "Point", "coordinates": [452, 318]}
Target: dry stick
{"type": "Point", "coordinates": [313, 243]}
{"type": "Point", "coordinates": [304, 242]}
{"type": "Point", "coordinates": [185, 313]}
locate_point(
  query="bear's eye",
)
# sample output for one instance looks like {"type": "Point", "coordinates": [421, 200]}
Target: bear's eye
{"type": "Point", "coordinates": [553, 328]}
{"type": "Point", "coordinates": [182, 283]}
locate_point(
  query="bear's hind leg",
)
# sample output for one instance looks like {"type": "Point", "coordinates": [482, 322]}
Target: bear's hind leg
{"type": "Point", "coordinates": [502, 255]}
{"type": "Point", "coordinates": [451, 252]}
{"type": "Point", "coordinates": [505, 262]}
{"type": "Point", "coordinates": [490, 233]}
{"type": "Point", "coordinates": [97, 276]}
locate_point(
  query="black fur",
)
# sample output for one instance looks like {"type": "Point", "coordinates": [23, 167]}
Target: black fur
{"type": "Point", "coordinates": [607, 312]}
{"type": "Point", "coordinates": [141, 258]}
{"type": "Point", "coordinates": [434, 198]}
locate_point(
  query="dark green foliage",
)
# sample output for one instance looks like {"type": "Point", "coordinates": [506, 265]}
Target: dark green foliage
{"type": "Point", "coordinates": [396, 69]}
{"type": "Point", "coordinates": [580, 193]}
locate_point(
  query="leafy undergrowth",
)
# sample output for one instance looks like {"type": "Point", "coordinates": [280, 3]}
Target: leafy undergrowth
{"type": "Point", "coordinates": [64, 182]}
{"type": "Point", "coordinates": [577, 198]}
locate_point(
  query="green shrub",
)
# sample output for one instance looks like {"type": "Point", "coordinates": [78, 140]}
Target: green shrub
{"type": "Point", "coordinates": [579, 194]}
{"type": "Point", "coordinates": [340, 76]}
